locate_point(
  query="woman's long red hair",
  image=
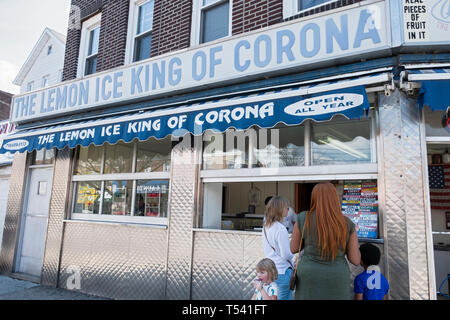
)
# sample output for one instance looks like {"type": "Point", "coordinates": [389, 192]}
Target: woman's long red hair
{"type": "Point", "coordinates": [330, 222]}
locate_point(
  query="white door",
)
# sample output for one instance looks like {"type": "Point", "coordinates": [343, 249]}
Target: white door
{"type": "Point", "coordinates": [34, 227]}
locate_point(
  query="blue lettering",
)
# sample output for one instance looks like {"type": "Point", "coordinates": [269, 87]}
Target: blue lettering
{"type": "Point", "coordinates": [136, 80]}
{"type": "Point", "coordinates": [268, 55]}
{"type": "Point", "coordinates": [147, 77]}
{"type": "Point", "coordinates": [32, 104]}
{"type": "Point", "coordinates": [333, 32]}
{"type": "Point", "coordinates": [197, 76]}
{"type": "Point", "coordinates": [61, 98]}
{"type": "Point", "coordinates": [17, 102]}
{"type": "Point", "coordinates": [214, 61]}
{"type": "Point", "coordinates": [84, 93]}
{"type": "Point", "coordinates": [42, 101]}
{"type": "Point", "coordinates": [316, 38]}
{"type": "Point", "coordinates": [24, 108]}
{"type": "Point", "coordinates": [158, 74]}
{"type": "Point", "coordinates": [237, 65]}
{"type": "Point", "coordinates": [287, 48]}
{"type": "Point", "coordinates": [364, 17]}
{"type": "Point", "coordinates": [51, 99]}
{"type": "Point", "coordinates": [97, 89]}
{"type": "Point", "coordinates": [106, 95]}
{"type": "Point", "coordinates": [174, 74]}
{"type": "Point", "coordinates": [117, 84]}
{"type": "Point", "coordinates": [73, 95]}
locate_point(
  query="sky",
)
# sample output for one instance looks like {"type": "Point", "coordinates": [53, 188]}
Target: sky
{"type": "Point", "coordinates": [21, 24]}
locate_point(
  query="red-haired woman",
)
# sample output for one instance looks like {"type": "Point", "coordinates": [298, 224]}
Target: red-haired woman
{"type": "Point", "coordinates": [323, 272]}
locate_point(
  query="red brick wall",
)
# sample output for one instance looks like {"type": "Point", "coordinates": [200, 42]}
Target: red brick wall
{"type": "Point", "coordinates": [251, 15]}
{"type": "Point", "coordinates": [171, 26]}
{"type": "Point", "coordinates": [5, 105]}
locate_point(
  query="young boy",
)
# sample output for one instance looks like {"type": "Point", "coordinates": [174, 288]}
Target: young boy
{"type": "Point", "coordinates": [370, 284]}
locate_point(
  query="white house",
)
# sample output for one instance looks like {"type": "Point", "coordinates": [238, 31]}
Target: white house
{"type": "Point", "coordinates": [44, 65]}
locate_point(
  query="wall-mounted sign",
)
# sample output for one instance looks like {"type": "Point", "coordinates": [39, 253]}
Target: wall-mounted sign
{"type": "Point", "coordinates": [426, 21]}
{"type": "Point", "coordinates": [289, 46]}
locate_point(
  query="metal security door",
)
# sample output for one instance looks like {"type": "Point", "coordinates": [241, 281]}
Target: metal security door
{"type": "Point", "coordinates": [34, 226]}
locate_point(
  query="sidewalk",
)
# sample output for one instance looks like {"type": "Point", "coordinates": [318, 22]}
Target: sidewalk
{"type": "Point", "coordinates": [14, 289]}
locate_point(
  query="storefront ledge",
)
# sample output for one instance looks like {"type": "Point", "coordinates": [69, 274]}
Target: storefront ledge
{"type": "Point", "coordinates": [120, 224]}
{"type": "Point", "coordinates": [253, 233]}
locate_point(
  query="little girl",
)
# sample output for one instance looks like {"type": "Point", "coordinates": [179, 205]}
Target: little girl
{"type": "Point", "coordinates": [264, 284]}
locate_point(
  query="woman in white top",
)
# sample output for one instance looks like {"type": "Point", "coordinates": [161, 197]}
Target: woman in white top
{"type": "Point", "coordinates": [276, 244]}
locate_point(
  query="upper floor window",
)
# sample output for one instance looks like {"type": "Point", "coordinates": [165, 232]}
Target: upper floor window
{"type": "Point", "coordinates": [49, 49]}
{"type": "Point", "coordinates": [211, 20]}
{"type": "Point", "coordinates": [90, 36]}
{"type": "Point", "coordinates": [143, 34]}
{"type": "Point", "coordinates": [306, 4]}
{"type": "Point", "coordinates": [45, 80]}
{"type": "Point", "coordinates": [30, 86]}
{"type": "Point", "coordinates": [294, 7]}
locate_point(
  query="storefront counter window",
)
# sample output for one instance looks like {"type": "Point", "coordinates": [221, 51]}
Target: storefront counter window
{"type": "Point", "coordinates": [281, 146]}
{"type": "Point", "coordinates": [125, 182]}
{"type": "Point", "coordinates": [341, 142]}
{"type": "Point", "coordinates": [436, 123]}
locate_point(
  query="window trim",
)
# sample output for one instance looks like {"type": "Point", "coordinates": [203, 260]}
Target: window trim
{"type": "Point", "coordinates": [30, 86]}
{"type": "Point", "coordinates": [133, 17]}
{"type": "Point", "coordinates": [308, 172]}
{"type": "Point", "coordinates": [45, 81]}
{"type": "Point", "coordinates": [129, 176]}
{"type": "Point", "coordinates": [87, 26]}
{"type": "Point", "coordinates": [291, 8]}
{"type": "Point", "coordinates": [196, 24]}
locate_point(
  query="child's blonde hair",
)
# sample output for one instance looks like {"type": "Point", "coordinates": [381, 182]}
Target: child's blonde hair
{"type": "Point", "coordinates": [275, 210]}
{"type": "Point", "coordinates": [269, 266]}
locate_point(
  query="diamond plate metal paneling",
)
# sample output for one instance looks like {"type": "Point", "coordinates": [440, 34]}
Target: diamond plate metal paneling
{"type": "Point", "coordinates": [415, 202]}
{"type": "Point", "coordinates": [183, 182]}
{"type": "Point", "coordinates": [57, 209]}
{"type": "Point", "coordinates": [13, 212]}
{"type": "Point", "coordinates": [401, 176]}
{"type": "Point", "coordinates": [224, 265]}
{"type": "Point", "coordinates": [115, 261]}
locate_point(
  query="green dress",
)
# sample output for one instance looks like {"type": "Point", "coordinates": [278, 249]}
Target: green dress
{"type": "Point", "coordinates": [322, 279]}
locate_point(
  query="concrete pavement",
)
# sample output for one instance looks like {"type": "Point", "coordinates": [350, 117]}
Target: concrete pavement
{"type": "Point", "coordinates": [14, 289]}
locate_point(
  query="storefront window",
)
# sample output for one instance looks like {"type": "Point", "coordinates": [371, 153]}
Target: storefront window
{"type": "Point", "coordinates": [281, 146]}
{"type": "Point", "coordinates": [89, 160]}
{"type": "Point", "coordinates": [117, 197]}
{"type": "Point", "coordinates": [118, 157]}
{"type": "Point", "coordinates": [125, 182]}
{"type": "Point", "coordinates": [341, 142]}
{"type": "Point", "coordinates": [152, 198]}
{"type": "Point", "coordinates": [436, 124]}
{"type": "Point", "coordinates": [43, 156]}
{"type": "Point", "coordinates": [87, 197]}
{"type": "Point", "coordinates": [153, 155]}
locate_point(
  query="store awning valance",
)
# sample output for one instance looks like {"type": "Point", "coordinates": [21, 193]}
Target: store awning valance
{"type": "Point", "coordinates": [320, 102]}
{"type": "Point", "coordinates": [435, 86]}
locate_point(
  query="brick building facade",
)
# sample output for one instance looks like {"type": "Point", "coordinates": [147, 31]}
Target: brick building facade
{"type": "Point", "coordinates": [5, 105]}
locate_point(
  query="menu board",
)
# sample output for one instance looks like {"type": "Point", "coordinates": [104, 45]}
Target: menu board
{"type": "Point", "coordinates": [360, 204]}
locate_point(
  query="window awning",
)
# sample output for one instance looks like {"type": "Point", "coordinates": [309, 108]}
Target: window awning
{"type": "Point", "coordinates": [291, 106]}
{"type": "Point", "coordinates": [435, 85]}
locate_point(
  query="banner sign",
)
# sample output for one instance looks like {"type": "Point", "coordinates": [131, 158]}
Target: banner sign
{"type": "Point", "coordinates": [288, 46]}
{"type": "Point", "coordinates": [426, 21]}
{"type": "Point", "coordinates": [240, 114]}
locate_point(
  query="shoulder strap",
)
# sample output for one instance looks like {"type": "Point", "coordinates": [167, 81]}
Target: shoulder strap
{"type": "Point", "coordinates": [265, 234]}
{"type": "Point", "coordinates": [301, 239]}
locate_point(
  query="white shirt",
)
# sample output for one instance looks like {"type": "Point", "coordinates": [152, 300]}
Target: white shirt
{"type": "Point", "coordinates": [279, 239]}
{"type": "Point", "coordinates": [290, 220]}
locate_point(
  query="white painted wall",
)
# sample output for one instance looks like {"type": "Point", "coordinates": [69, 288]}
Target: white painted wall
{"type": "Point", "coordinates": [46, 65]}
